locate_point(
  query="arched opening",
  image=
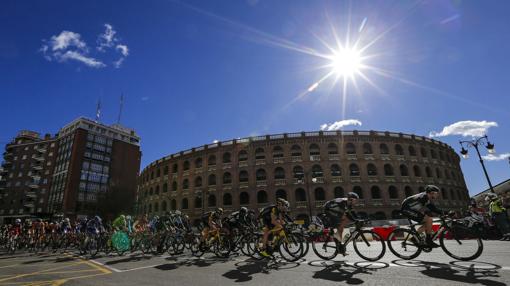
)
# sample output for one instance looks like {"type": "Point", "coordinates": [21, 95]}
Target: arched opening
{"type": "Point", "coordinates": [164, 206]}
{"type": "Point", "coordinates": [211, 161]}
{"type": "Point", "coordinates": [211, 201]}
{"type": "Point", "coordinates": [371, 169]}
{"type": "Point", "coordinates": [408, 191]}
{"type": "Point", "coordinates": [243, 176]}
{"type": "Point", "coordinates": [332, 149]}
{"type": "Point", "coordinates": [317, 171]}
{"type": "Point", "coordinates": [261, 197]}
{"type": "Point", "coordinates": [350, 148]}
{"type": "Point", "coordinates": [185, 165]}
{"type": "Point", "coordinates": [243, 156]}
{"type": "Point", "coordinates": [353, 170]}
{"type": "Point", "coordinates": [281, 194]}
{"type": "Point", "coordinates": [393, 192]}
{"type": "Point", "coordinates": [198, 163]}
{"type": "Point", "coordinates": [279, 173]}
{"type": "Point", "coordinates": [358, 190]}
{"type": "Point", "coordinates": [227, 199]}
{"type": "Point", "coordinates": [261, 175]}
{"type": "Point", "coordinates": [278, 152]}
{"type": "Point", "coordinates": [259, 154]}
{"type": "Point", "coordinates": [198, 202]}
{"type": "Point", "coordinates": [367, 149]}
{"type": "Point", "coordinates": [198, 181]}
{"type": "Point", "coordinates": [300, 195]}
{"type": "Point", "coordinates": [212, 180]}
{"type": "Point", "coordinates": [185, 184]}
{"type": "Point", "coordinates": [417, 171]}
{"type": "Point", "coordinates": [244, 198]}
{"type": "Point", "coordinates": [320, 195]}
{"type": "Point", "coordinates": [184, 204]}
{"type": "Point", "coordinates": [227, 158]}
{"type": "Point", "coordinates": [376, 192]}
{"type": "Point", "coordinates": [339, 192]}
{"type": "Point", "coordinates": [399, 150]}
{"type": "Point", "coordinates": [173, 205]}
{"type": "Point", "coordinates": [383, 149]}
{"type": "Point", "coordinates": [404, 172]}
{"type": "Point", "coordinates": [412, 151]}
{"type": "Point", "coordinates": [227, 178]}
{"type": "Point", "coordinates": [314, 150]}
{"type": "Point", "coordinates": [295, 151]}
{"type": "Point", "coordinates": [388, 170]}
{"type": "Point", "coordinates": [336, 171]}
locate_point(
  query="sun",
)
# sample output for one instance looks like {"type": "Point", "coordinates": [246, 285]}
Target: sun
{"type": "Point", "coordinates": [346, 62]}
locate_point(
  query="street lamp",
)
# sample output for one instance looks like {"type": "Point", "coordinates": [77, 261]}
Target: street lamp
{"type": "Point", "coordinates": [303, 178]}
{"type": "Point", "coordinates": [476, 143]}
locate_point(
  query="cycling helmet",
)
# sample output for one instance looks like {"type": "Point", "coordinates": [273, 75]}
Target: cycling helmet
{"type": "Point", "coordinates": [66, 219]}
{"type": "Point", "coordinates": [155, 217]}
{"type": "Point", "coordinates": [17, 220]}
{"type": "Point", "coordinates": [352, 195]}
{"type": "Point", "coordinates": [97, 218]}
{"type": "Point", "coordinates": [243, 210]}
{"type": "Point", "coordinates": [178, 212]}
{"type": "Point", "coordinates": [219, 211]}
{"type": "Point", "coordinates": [490, 196]}
{"type": "Point", "coordinates": [128, 217]}
{"type": "Point", "coordinates": [122, 216]}
{"type": "Point", "coordinates": [431, 188]}
{"type": "Point", "coordinates": [282, 202]}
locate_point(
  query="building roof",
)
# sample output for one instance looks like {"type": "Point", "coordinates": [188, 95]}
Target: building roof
{"type": "Point", "coordinates": [505, 185]}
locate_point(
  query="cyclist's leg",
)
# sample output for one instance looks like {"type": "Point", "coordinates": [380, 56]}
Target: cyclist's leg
{"type": "Point", "coordinates": [340, 226]}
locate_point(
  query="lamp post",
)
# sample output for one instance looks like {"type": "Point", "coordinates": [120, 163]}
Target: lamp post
{"type": "Point", "coordinates": [303, 177]}
{"type": "Point", "coordinates": [476, 143]}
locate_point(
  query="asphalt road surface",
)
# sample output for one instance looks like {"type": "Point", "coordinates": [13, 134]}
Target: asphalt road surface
{"type": "Point", "coordinates": [434, 268]}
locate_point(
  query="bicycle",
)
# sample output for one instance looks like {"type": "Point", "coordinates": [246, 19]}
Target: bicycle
{"type": "Point", "coordinates": [368, 244]}
{"type": "Point", "coordinates": [455, 238]}
{"type": "Point", "coordinates": [288, 243]}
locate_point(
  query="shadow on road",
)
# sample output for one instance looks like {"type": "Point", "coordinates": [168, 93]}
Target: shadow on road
{"type": "Point", "coordinates": [340, 271]}
{"type": "Point", "coordinates": [465, 272]}
{"type": "Point", "coordinates": [131, 258]}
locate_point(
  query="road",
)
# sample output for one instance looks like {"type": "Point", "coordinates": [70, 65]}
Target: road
{"type": "Point", "coordinates": [434, 268]}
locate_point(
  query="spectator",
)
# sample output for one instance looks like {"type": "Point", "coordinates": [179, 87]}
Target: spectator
{"type": "Point", "coordinates": [499, 215]}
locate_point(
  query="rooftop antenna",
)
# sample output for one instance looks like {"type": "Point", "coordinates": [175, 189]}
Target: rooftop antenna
{"type": "Point", "coordinates": [98, 110]}
{"type": "Point", "coordinates": [121, 106]}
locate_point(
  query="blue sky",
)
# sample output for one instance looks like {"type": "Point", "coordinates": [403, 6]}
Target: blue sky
{"type": "Point", "coordinates": [197, 71]}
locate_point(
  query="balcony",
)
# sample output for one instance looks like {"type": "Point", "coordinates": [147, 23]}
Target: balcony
{"type": "Point", "coordinates": [337, 180]}
{"type": "Point", "coordinates": [296, 181]}
{"type": "Point", "coordinates": [243, 185]}
{"type": "Point", "coordinates": [261, 183]}
{"type": "Point", "coordinates": [7, 164]}
{"type": "Point", "coordinates": [319, 204]}
{"type": "Point", "coordinates": [395, 202]}
{"type": "Point", "coordinates": [260, 162]}
{"type": "Point", "coordinates": [34, 185]}
{"type": "Point", "coordinates": [361, 203]}
{"type": "Point", "coordinates": [318, 180]}
{"type": "Point", "coordinates": [227, 186]}
{"type": "Point", "coordinates": [280, 182]}
{"type": "Point", "coordinates": [352, 157]}
{"type": "Point", "coordinates": [280, 160]}
{"type": "Point", "coordinates": [198, 170]}
{"type": "Point", "coordinates": [315, 157]}
{"type": "Point", "coordinates": [41, 149]}
{"type": "Point", "coordinates": [37, 167]}
{"type": "Point", "coordinates": [400, 157]}
{"type": "Point", "coordinates": [243, 163]}
{"type": "Point", "coordinates": [227, 166]}
{"type": "Point", "coordinates": [301, 205]}
{"type": "Point", "coordinates": [376, 202]}
{"type": "Point", "coordinates": [29, 204]}
{"type": "Point", "coordinates": [37, 157]}
{"type": "Point", "coordinates": [369, 157]}
{"type": "Point", "coordinates": [334, 157]}
{"type": "Point", "coordinates": [390, 179]}
{"type": "Point", "coordinates": [385, 157]}
{"type": "Point", "coordinates": [8, 155]}
{"type": "Point", "coordinates": [211, 168]}
{"type": "Point", "coordinates": [185, 173]}
{"type": "Point", "coordinates": [31, 194]}
{"type": "Point", "coordinates": [296, 159]}
{"type": "Point", "coordinates": [355, 179]}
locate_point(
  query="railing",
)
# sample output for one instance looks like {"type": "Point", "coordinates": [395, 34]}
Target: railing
{"type": "Point", "coordinates": [318, 180]}
{"type": "Point", "coordinates": [211, 168]}
{"type": "Point", "coordinates": [337, 179]}
{"type": "Point", "coordinates": [385, 157]}
{"type": "Point", "coordinates": [227, 166]}
{"type": "Point", "coordinates": [38, 157]}
{"type": "Point", "coordinates": [297, 181]}
{"type": "Point", "coordinates": [261, 183]}
{"type": "Point", "coordinates": [280, 160]}
{"type": "Point", "coordinates": [395, 202]}
{"type": "Point", "coordinates": [352, 157]}
{"type": "Point", "coordinates": [315, 158]}
{"type": "Point", "coordinates": [198, 170]}
{"type": "Point", "coordinates": [243, 185]}
{"type": "Point", "coordinates": [300, 205]}
{"type": "Point", "coordinates": [296, 159]}
{"type": "Point", "coordinates": [334, 157]}
{"type": "Point", "coordinates": [243, 163]}
{"type": "Point", "coordinates": [260, 162]}
{"type": "Point", "coordinates": [280, 182]}
{"type": "Point", "coordinates": [227, 186]}
{"type": "Point", "coordinates": [319, 204]}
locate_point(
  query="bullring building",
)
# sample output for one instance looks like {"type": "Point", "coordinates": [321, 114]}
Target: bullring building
{"type": "Point", "coordinates": [306, 168]}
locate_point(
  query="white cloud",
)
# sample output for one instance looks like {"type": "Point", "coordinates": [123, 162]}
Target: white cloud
{"type": "Point", "coordinates": [123, 50]}
{"type": "Point", "coordinates": [65, 40]}
{"type": "Point", "coordinates": [466, 128]}
{"type": "Point", "coordinates": [339, 124]}
{"type": "Point", "coordinates": [73, 55]}
{"type": "Point", "coordinates": [106, 39]}
{"type": "Point", "coordinates": [499, 157]}
{"type": "Point", "coordinates": [69, 45]}
{"type": "Point", "coordinates": [145, 98]}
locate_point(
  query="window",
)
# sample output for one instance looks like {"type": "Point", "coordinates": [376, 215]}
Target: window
{"type": "Point", "coordinates": [164, 206]}
{"type": "Point", "coordinates": [173, 205]}
{"type": "Point", "coordinates": [244, 198]}
{"type": "Point", "coordinates": [433, 154]}
{"type": "Point", "coordinates": [399, 150]}
{"type": "Point", "coordinates": [243, 176]}
{"type": "Point", "coordinates": [211, 161]}
{"type": "Point", "coordinates": [320, 195]}
{"type": "Point", "coordinates": [354, 170]}
{"type": "Point", "coordinates": [157, 190]}
{"type": "Point", "coordinates": [198, 202]}
{"type": "Point", "coordinates": [278, 152]}
{"type": "Point", "coordinates": [388, 170]}
{"type": "Point", "coordinates": [174, 186]}
{"type": "Point", "coordinates": [300, 195]}
{"type": "Point", "coordinates": [295, 151]}
{"type": "Point", "coordinates": [226, 157]}
{"type": "Point", "coordinates": [317, 171]}
{"type": "Point", "coordinates": [367, 149]}
{"type": "Point", "coordinates": [156, 207]}
{"type": "Point", "coordinates": [408, 191]}
{"type": "Point", "coordinates": [175, 168]}
{"type": "Point", "coordinates": [298, 172]}
{"type": "Point", "coordinates": [428, 172]}
{"type": "Point", "coordinates": [165, 171]}
{"type": "Point", "coordinates": [404, 172]}
{"type": "Point", "coordinates": [375, 192]}
{"type": "Point", "coordinates": [281, 194]}
{"type": "Point", "coordinates": [314, 150]}
{"type": "Point", "coordinates": [211, 201]}
{"type": "Point", "coordinates": [261, 197]}
{"type": "Point", "coordinates": [335, 170]}
{"type": "Point", "coordinates": [261, 175]}
{"type": "Point", "coordinates": [444, 194]}
{"type": "Point", "coordinates": [279, 173]}
{"type": "Point", "coordinates": [227, 199]}
{"type": "Point", "coordinates": [184, 204]}
{"type": "Point", "coordinates": [212, 180]}
{"type": "Point", "coordinates": [227, 178]}
{"type": "Point", "coordinates": [259, 154]}
{"type": "Point", "coordinates": [158, 173]}
{"type": "Point", "coordinates": [417, 171]}
{"type": "Point", "coordinates": [383, 149]}
{"type": "Point", "coordinates": [452, 194]}
{"type": "Point", "coordinates": [438, 173]}
{"type": "Point", "coordinates": [185, 165]}
{"type": "Point", "coordinates": [392, 190]}
{"type": "Point", "coordinates": [332, 149]}
{"type": "Point", "coordinates": [243, 156]}
{"type": "Point", "coordinates": [198, 163]}
{"type": "Point", "coordinates": [339, 192]}
{"type": "Point", "coordinates": [165, 187]}
{"type": "Point", "coordinates": [358, 190]}
{"type": "Point", "coordinates": [185, 184]}
{"type": "Point", "coordinates": [350, 148]}
{"type": "Point", "coordinates": [198, 181]}
{"type": "Point", "coordinates": [371, 169]}
{"type": "Point", "coordinates": [423, 152]}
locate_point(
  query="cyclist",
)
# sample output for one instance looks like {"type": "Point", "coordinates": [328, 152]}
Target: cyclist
{"type": "Point", "coordinates": [499, 215]}
{"type": "Point", "coordinates": [140, 224]}
{"type": "Point", "coordinates": [120, 223]}
{"type": "Point", "coordinates": [95, 225]}
{"type": "Point", "coordinates": [212, 223]}
{"type": "Point", "coordinates": [273, 219]}
{"type": "Point", "coordinates": [421, 209]}
{"type": "Point", "coordinates": [340, 211]}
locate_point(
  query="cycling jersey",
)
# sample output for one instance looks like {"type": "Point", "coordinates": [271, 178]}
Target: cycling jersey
{"type": "Point", "coordinates": [266, 214]}
{"type": "Point", "coordinates": [119, 223]}
{"type": "Point", "coordinates": [417, 206]}
{"type": "Point", "coordinates": [210, 217]}
{"type": "Point", "coordinates": [336, 208]}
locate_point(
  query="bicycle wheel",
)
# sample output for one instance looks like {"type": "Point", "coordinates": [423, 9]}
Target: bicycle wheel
{"type": "Point", "coordinates": [404, 243]}
{"type": "Point", "coordinates": [324, 247]}
{"type": "Point", "coordinates": [222, 247]}
{"type": "Point", "coordinates": [92, 246]}
{"type": "Point", "coordinates": [291, 248]}
{"type": "Point", "coordinates": [461, 243]}
{"type": "Point", "coordinates": [369, 245]}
